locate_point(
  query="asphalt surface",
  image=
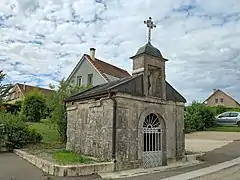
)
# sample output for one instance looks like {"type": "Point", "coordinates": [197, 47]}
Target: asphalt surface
{"type": "Point", "coordinates": [225, 153]}
{"type": "Point", "coordinates": [12, 166]}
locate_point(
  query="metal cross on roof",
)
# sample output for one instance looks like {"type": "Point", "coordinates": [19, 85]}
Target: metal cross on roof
{"type": "Point", "coordinates": [150, 26]}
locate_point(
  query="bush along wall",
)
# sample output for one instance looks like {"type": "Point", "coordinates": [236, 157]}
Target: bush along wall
{"type": "Point", "coordinates": [198, 117]}
{"type": "Point", "coordinates": [15, 133]}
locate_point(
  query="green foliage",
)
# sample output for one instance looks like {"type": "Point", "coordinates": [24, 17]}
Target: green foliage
{"type": "Point", "coordinates": [11, 108]}
{"type": "Point", "coordinates": [198, 117]}
{"type": "Point", "coordinates": [4, 88]}
{"type": "Point", "coordinates": [57, 105]}
{"type": "Point", "coordinates": [68, 157]}
{"type": "Point", "coordinates": [221, 109]}
{"type": "Point", "coordinates": [47, 130]}
{"type": "Point", "coordinates": [34, 106]}
{"type": "Point", "coordinates": [17, 132]}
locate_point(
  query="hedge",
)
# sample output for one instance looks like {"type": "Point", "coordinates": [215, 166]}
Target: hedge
{"type": "Point", "coordinates": [198, 117]}
{"type": "Point", "coordinates": [16, 132]}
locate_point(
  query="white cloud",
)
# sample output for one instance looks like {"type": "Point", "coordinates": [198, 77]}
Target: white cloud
{"type": "Point", "coordinates": [41, 41]}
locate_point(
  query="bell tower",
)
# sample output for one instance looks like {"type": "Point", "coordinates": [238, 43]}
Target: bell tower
{"type": "Point", "coordinates": [149, 62]}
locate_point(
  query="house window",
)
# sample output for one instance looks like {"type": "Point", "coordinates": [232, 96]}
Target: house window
{"type": "Point", "coordinates": [79, 80]}
{"type": "Point", "coordinates": [90, 79]}
{"type": "Point", "coordinates": [221, 100]}
{"type": "Point", "coordinates": [216, 100]}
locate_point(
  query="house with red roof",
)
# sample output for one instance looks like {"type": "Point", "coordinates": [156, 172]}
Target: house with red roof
{"type": "Point", "coordinates": [92, 71]}
{"type": "Point", "coordinates": [20, 90]}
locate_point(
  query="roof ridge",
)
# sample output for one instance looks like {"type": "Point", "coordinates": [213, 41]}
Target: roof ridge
{"type": "Point", "coordinates": [34, 86]}
{"type": "Point", "coordinates": [229, 96]}
{"type": "Point", "coordinates": [107, 63]}
{"type": "Point", "coordinates": [112, 65]}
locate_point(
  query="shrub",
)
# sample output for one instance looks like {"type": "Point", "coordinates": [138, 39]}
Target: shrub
{"type": "Point", "coordinates": [17, 132]}
{"type": "Point", "coordinates": [34, 106]}
{"type": "Point", "coordinates": [198, 117]}
{"type": "Point", "coordinates": [12, 108]}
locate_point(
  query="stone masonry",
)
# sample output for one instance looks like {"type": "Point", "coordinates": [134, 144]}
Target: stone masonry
{"type": "Point", "coordinates": [135, 122]}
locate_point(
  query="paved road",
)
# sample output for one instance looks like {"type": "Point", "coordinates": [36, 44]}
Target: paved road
{"type": "Point", "coordinates": [232, 173]}
{"type": "Point", "coordinates": [13, 166]}
{"type": "Point", "coordinates": [225, 153]}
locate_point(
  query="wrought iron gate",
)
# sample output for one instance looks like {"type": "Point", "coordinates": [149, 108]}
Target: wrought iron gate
{"type": "Point", "coordinates": [152, 139]}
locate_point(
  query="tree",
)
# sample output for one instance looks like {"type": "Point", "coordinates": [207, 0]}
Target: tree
{"type": "Point", "coordinates": [57, 107]}
{"type": "Point", "coordinates": [34, 106]}
{"type": "Point", "coordinates": [4, 88]}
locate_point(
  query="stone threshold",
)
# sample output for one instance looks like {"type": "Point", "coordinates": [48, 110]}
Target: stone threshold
{"type": "Point", "coordinates": [66, 170]}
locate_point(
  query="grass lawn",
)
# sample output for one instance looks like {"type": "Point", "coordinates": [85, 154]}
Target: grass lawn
{"type": "Point", "coordinates": [51, 148]}
{"type": "Point", "coordinates": [225, 129]}
{"type": "Point", "coordinates": [67, 157]}
{"type": "Point", "coordinates": [47, 130]}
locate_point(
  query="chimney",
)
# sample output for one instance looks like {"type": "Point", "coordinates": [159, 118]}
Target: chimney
{"type": "Point", "coordinates": [92, 53]}
{"type": "Point", "coordinates": [214, 90]}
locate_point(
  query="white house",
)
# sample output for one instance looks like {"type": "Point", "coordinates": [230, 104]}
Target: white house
{"type": "Point", "coordinates": [91, 70]}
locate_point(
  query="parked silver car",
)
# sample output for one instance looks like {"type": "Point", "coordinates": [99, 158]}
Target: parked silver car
{"type": "Point", "coordinates": [229, 118]}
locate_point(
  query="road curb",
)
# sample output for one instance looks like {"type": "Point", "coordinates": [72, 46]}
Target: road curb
{"type": "Point", "coordinates": [65, 170]}
{"type": "Point", "coordinates": [204, 172]}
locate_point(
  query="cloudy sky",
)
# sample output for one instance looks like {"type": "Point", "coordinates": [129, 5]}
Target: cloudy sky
{"type": "Point", "coordinates": [42, 40]}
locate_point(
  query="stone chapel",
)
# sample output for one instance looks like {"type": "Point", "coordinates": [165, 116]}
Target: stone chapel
{"type": "Point", "coordinates": [137, 121]}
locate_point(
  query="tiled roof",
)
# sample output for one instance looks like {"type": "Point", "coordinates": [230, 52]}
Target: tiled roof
{"type": "Point", "coordinates": [97, 90]}
{"type": "Point", "coordinates": [29, 88]}
{"type": "Point", "coordinates": [132, 85]}
{"type": "Point", "coordinates": [106, 68]}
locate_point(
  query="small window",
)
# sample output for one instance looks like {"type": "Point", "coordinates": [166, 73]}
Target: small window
{"type": "Point", "coordinates": [221, 100]}
{"type": "Point", "coordinates": [79, 80]}
{"type": "Point", "coordinates": [216, 100]}
{"type": "Point", "coordinates": [90, 79]}
{"type": "Point", "coordinates": [233, 114]}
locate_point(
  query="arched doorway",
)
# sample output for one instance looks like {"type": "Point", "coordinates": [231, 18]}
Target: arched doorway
{"type": "Point", "coordinates": [152, 139]}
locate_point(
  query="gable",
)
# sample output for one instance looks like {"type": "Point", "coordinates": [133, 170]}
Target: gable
{"type": "Point", "coordinates": [28, 88]}
{"type": "Point", "coordinates": [218, 94]}
{"type": "Point", "coordinates": [108, 69]}
{"type": "Point", "coordinates": [107, 72]}
{"type": "Point", "coordinates": [83, 68]}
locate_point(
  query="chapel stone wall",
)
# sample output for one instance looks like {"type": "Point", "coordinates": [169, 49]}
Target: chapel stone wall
{"type": "Point", "coordinates": [89, 129]}
{"type": "Point", "coordinates": [128, 114]}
